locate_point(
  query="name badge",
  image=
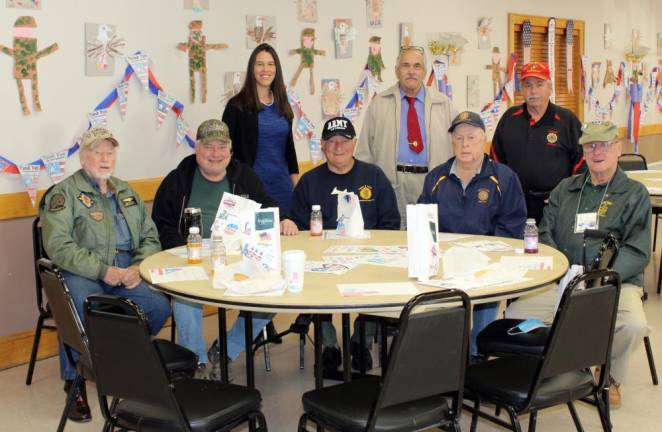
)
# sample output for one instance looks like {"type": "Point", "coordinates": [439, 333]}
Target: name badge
{"type": "Point", "coordinates": [584, 221]}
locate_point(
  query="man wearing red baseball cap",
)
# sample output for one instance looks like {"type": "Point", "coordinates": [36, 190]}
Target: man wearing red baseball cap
{"type": "Point", "coordinates": [538, 139]}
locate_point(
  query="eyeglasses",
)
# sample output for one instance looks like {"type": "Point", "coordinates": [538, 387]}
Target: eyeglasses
{"type": "Point", "coordinates": [404, 48]}
{"type": "Point", "coordinates": [593, 146]}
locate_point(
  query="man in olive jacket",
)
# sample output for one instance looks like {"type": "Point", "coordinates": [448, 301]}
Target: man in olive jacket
{"type": "Point", "coordinates": [96, 230]}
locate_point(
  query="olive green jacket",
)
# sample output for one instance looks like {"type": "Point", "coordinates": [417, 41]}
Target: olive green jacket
{"type": "Point", "coordinates": [78, 231]}
{"type": "Point", "coordinates": [625, 212]}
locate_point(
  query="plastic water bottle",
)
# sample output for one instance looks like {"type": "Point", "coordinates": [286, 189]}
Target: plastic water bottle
{"type": "Point", "coordinates": [531, 237]}
{"type": "Point", "coordinates": [218, 251]}
{"type": "Point", "coordinates": [316, 226]}
{"type": "Point", "coordinates": [194, 245]}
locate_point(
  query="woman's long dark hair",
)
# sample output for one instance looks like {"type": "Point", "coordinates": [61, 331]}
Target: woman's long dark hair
{"type": "Point", "coordinates": [247, 97]}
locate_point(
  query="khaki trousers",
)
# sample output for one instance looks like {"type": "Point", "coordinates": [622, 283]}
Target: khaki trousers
{"type": "Point", "coordinates": [631, 326]}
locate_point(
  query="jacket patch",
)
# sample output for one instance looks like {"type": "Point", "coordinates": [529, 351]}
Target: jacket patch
{"type": "Point", "coordinates": [604, 207]}
{"type": "Point", "coordinates": [56, 202]}
{"type": "Point", "coordinates": [483, 195]}
{"type": "Point", "coordinates": [96, 215]}
{"type": "Point", "coordinates": [365, 193]}
{"type": "Point", "coordinates": [86, 200]}
{"type": "Point", "coordinates": [129, 201]}
{"type": "Point", "coordinates": [552, 138]}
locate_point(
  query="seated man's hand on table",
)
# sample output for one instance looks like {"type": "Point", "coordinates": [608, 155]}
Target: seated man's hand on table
{"type": "Point", "coordinates": [288, 228]}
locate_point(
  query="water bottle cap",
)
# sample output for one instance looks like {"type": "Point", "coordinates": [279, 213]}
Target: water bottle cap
{"type": "Point", "coordinates": [194, 230]}
{"type": "Point", "coordinates": [530, 221]}
{"type": "Point", "coordinates": [316, 207]}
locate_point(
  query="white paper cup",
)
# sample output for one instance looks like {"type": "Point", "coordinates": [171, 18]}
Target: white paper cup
{"type": "Point", "coordinates": [294, 263]}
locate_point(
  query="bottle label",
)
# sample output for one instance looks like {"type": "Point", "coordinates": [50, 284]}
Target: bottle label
{"type": "Point", "coordinates": [316, 227]}
{"type": "Point", "coordinates": [218, 262]}
{"type": "Point", "coordinates": [194, 253]}
{"type": "Point", "coordinates": [531, 243]}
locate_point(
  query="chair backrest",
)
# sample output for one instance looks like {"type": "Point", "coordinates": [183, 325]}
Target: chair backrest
{"type": "Point", "coordinates": [583, 329]}
{"type": "Point", "coordinates": [38, 251]}
{"type": "Point", "coordinates": [69, 326]}
{"type": "Point", "coordinates": [127, 365]}
{"type": "Point", "coordinates": [632, 162]}
{"type": "Point", "coordinates": [607, 252]}
{"type": "Point", "coordinates": [429, 354]}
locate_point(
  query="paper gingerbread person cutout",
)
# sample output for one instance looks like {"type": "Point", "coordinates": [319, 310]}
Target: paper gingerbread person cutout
{"type": "Point", "coordinates": [495, 67]}
{"type": "Point", "coordinates": [25, 59]}
{"type": "Point", "coordinates": [197, 48]}
{"type": "Point", "coordinates": [609, 78]}
{"type": "Point", "coordinates": [308, 53]}
{"type": "Point", "coordinates": [375, 62]}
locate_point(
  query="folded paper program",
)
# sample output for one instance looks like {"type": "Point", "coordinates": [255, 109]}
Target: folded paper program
{"type": "Point", "coordinates": [350, 218]}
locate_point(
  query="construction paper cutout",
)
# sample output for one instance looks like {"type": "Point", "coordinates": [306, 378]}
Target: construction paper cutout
{"type": "Point", "coordinates": [375, 63]}
{"type": "Point", "coordinates": [260, 29]}
{"type": "Point", "coordinates": [406, 34]}
{"type": "Point", "coordinates": [374, 10]}
{"type": "Point", "coordinates": [234, 81]}
{"type": "Point", "coordinates": [484, 30]}
{"type": "Point", "coordinates": [103, 46]}
{"type": "Point", "coordinates": [331, 98]}
{"type": "Point", "coordinates": [196, 5]}
{"type": "Point", "coordinates": [25, 56]}
{"type": "Point", "coordinates": [197, 48]}
{"type": "Point", "coordinates": [307, 10]}
{"type": "Point", "coordinates": [24, 4]}
{"type": "Point", "coordinates": [343, 36]}
{"type": "Point", "coordinates": [495, 67]}
{"type": "Point", "coordinates": [307, 53]}
{"type": "Point", "coordinates": [608, 36]}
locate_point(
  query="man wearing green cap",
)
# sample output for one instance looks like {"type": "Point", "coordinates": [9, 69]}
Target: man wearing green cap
{"type": "Point", "coordinates": [603, 198]}
{"type": "Point", "coordinates": [200, 181]}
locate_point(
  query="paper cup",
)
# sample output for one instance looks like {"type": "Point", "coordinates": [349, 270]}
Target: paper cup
{"type": "Point", "coordinates": [294, 262]}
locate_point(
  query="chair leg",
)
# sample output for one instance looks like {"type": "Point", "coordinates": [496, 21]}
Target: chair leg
{"type": "Point", "coordinates": [651, 359]}
{"type": "Point", "coordinates": [655, 233]}
{"type": "Point", "coordinates": [35, 348]}
{"type": "Point", "coordinates": [302, 345]}
{"type": "Point", "coordinates": [474, 416]}
{"type": "Point", "coordinates": [302, 423]}
{"type": "Point", "coordinates": [267, 357]}
{"type": "Point", "coordinates": [383, 352]}
{"type": "Point", "coordinates": [659, 276]}
{"type": "Point", "coordinates": [173, 329]}
{"type": "Point", "coordinates": [533, 419]}
{"type": "Point", "coordinates": [69, 401]}
{"type": "Point", "coordinates": [575, 417]}
{"type": "Point", "coordinates": [603, 409]}
{"type": "Point", "coordinates": [514, 421]}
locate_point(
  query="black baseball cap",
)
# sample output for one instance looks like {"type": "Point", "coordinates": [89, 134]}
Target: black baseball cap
{"type": "Point", "coordinates": [338, 126]}
{"type": "Point", "coordinates": [467, 117]}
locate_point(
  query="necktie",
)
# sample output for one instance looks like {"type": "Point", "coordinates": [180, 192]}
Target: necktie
{"type": "Point", "coordinates": [413, 128]}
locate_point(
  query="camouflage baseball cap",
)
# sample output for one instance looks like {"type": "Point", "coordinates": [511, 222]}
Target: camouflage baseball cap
{"type": "Point", "coordinates": [92, 136]}
{"type": "Point", "coordinates": [211, 130]}
{"type": "Point", "coordinates": [598, 131]}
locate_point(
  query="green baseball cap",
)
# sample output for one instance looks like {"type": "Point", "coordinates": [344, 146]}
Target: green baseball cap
{"type": "Point", "coordinates": [213, 130]}
{"type": "Point", "coordinates": [598, 131]}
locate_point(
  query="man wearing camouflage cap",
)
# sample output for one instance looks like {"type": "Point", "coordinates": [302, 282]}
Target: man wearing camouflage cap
{"type": "Point", "coordinates": [603, 198]}
{"type": "Point", "coordinates": [200, 181]}
{"type": "Point", "coordinates": [96, 230]}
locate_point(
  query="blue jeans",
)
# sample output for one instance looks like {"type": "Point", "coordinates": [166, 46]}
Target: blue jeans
{"type": "Point", "coordinates": [484, 314]}
{"type": "Point", "coordinates": [155, 305]}
{"type": "Point", "coordinates": [237, 334]}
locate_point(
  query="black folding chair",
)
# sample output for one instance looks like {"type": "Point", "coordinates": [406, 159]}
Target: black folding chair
{"type": "Point", "coordinates": [527, 384]}
{"type": "Point", "coordinates": [180, 362]}
{"type": "Point", "coordinates": [422, 387]}
{"type": "Point", "coordinates": [130, 369]}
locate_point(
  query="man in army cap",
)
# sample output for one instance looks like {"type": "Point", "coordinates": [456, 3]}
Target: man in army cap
{"type": "Point", "coordinates": [96, 230]}
{"type": "Point", "coordinates": [603, 198]}
{"type": "Point", "coordinates": [200, 181]}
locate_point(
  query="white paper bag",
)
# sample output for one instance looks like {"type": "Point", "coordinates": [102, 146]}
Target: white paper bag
{"type": "Point", "coordinates": [350, 218]}
{"type": "Point", "coordinates": [422, 245]}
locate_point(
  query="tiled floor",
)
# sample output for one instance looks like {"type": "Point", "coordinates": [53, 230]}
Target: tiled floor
{"type": "Point", "coordinates": [38, 407]}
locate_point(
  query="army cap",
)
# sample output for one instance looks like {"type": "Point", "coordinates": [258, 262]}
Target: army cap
{"type": "Point", "coordinates": [598, 131]}
{"type": "Point", "coordinates": [213, 130]}
{"type": "Point", "coordinates": [467, 117]}
{"type": "Point", "coordinates": [92, 136]}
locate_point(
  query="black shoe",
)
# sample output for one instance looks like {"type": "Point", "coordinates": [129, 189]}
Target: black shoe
{"type": "Point", "coordinates": [331, 360]}
{"type": "Point", "coordinates": [79, 410]}
{"type": "Point", "coordinates": [356, 358]}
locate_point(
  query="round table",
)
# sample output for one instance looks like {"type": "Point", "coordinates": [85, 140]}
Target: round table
{"type": "Point", "coordinates": [321, 295]}
{"type": "Point", "coordinates": [652, 179]}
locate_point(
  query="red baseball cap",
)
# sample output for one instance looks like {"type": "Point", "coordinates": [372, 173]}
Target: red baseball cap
{"type": "Point", "coordinates": [535, 69]}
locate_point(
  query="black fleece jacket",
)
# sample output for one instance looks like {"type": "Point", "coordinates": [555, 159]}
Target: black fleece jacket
{"type": "Point", "coordinates": [173, 195]}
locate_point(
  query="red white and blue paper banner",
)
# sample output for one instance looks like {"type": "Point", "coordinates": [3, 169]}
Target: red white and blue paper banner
{"type": "Point", "coordinates": [510, 84]}
{"type": "Point", "coordinates": [55, 164]}
{"type": "Point", "coordinates": [316, 155]}
{"type": "Point", "coordinates": [123, 96]}
{"type": "Point", "coordinates": [439, 75]}
{"type": "Point", "coordinates": [304, 126]}
{"type": "Point", "coordinates": [30, 176]}
{"type": "Point", "coordinates": [364, 91]}
{"type": "Point", "coordinates": [164, 104]}
{"type": "Point", "coordinates": [634, 115]}
{"type": "Point", "coordinates": [139, 62]}
{"type": "Point", "coordinates": [98, 118]}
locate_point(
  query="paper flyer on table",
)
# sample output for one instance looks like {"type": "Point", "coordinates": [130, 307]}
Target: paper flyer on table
{"type": "Point", "coordinates": [325, 267]}
{"type": "Point", "coordinates": [177, 274]}
{"type": "Point", "coordinates": [246, 278]}
{"type": "Point", "coordinates": [367, 249]}
{"type": "Point", "coordinates": [375, 289]}
{"type": "Point", "coordinates": [334, 235]}
{"type": "Point", "coordinates": [487, 245]}
{"type": "Point", "coordinates": [493, 275]}
{"type": "Point", "coordinates": [448, 237]}
{"type": "Point", "coordinates": [528, 262]}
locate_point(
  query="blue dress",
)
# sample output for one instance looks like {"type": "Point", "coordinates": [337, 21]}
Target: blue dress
{"type": "Point", "coordinates": [270, 163]}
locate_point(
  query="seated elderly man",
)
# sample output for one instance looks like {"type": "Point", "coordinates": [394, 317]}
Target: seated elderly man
{"type": "Point", "coordinates": [606, 199]}
{"type": "Point", "coordinates": [475, 195]}
{"type": "Point", "coordinates": [95, 228]}
{"type": "Point", "coordinates": [378, 207]}
{"type": "Point", "coordinates": [200, 181]}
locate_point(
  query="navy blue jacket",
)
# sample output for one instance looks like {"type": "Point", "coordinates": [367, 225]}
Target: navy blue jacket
{"type": "Point", "coordinates": [493, 203]}
{"type": "Point", "coordinates": [376, 196]}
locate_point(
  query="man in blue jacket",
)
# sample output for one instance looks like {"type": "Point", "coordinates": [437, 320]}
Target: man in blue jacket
{"type": "Point", "coordinates": [475, 195]}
